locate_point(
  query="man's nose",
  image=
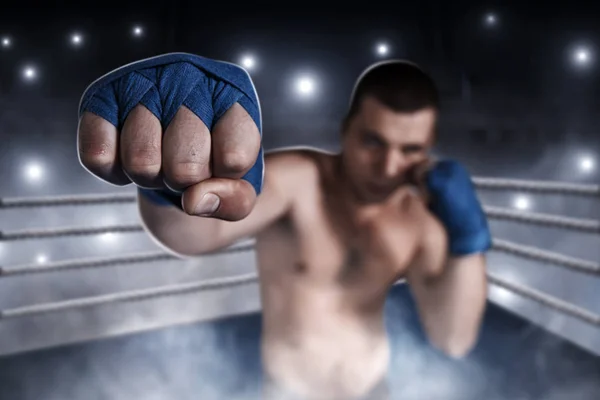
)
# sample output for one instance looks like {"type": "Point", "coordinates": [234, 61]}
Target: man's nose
{"type": "Point", "coordinates": [394, 164]}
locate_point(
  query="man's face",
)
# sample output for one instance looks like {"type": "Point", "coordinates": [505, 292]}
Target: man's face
{"type": "Point", "coordinates": [380, 146]}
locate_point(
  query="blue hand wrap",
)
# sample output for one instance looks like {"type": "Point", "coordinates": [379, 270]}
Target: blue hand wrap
{"type": "Point", "coordinates": [163, 84]}
{"type": "Point", "coordinates": [455, 203]}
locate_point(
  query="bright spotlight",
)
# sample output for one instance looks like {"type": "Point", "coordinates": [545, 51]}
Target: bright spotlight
{"type": "Point", "coordinates": [41, 259]}
{"type": "Point", "coordinates": [586, 164]}
{"type": "Point", "coordinates": [76, 39]}
{"type": "Point", "coordinates": [6, 42]}
{"type": "Point", "coordinates": [138, 31]}
{"type": "Point", "coordinates": [248, 62]}
{"type": "Point", "coordinates": [33, 172]}
{"type": "Point", "coordinates": [491, 19]}
{"type": "Point", "coordinates": [522, 203]}
{"type": "Point", "coordinates": [383, 49]}
{"type": "Point", "coordinates": [305, 86]}
{"type": "Point", "coordinates": [582, 56]}
{"type": "Point", "coordinates": [29, 73]}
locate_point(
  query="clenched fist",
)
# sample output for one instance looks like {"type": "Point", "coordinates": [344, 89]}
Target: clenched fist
{"type": "Point", "coordinates": [183, 128]}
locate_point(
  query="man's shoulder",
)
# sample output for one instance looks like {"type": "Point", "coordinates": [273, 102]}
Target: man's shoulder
{"type": "Point", "coordinates": [299, 154]}
{"type": "Point", "coordinates": [302, 163]}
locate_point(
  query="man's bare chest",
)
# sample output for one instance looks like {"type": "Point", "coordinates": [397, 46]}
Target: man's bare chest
{"type": "Point", "coordinates": [326, 245]}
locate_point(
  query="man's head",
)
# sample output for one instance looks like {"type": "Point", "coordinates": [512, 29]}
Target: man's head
{"type": "Point", "coordinates": [389, 129]}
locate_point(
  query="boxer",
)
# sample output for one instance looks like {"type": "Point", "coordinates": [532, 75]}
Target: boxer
{"type": "Point", "coordinates": [334, 231]}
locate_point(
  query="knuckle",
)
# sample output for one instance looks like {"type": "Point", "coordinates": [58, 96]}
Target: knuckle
{"type": "Point", "coordinates": [237, 161]}
{"type": "Point", "coordinates": [96, 154]}
{"type": "Point", "coordinates": [185, 173]}
{"type": "Point", "coordinates": [142, 158]}
{"type": "Point", "coordinates": [96, 142]}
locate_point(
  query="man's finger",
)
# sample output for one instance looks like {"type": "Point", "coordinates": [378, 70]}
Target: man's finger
{"type": "Point", "coordinates": [141, 138]}
{"type": "Point", "coordinates": [98, 149]}
{"type": "Point", "coordinates": [186, 150]}
{"type": "Point", "coordinates": [235, 143]}
{"type": "Point", "coordinates": [227, 199]}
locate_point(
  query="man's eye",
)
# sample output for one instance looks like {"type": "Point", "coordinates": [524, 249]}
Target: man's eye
{"type": "Point", "coordinates": [412, 149]}
{"type": "Point", "coordinates": [370, 140]}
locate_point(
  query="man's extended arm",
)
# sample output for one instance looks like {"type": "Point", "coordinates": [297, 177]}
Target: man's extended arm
{"type": "Point", "coordinates": [191, 235]}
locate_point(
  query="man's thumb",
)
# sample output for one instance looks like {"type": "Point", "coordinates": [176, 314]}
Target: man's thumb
{"type": "Point", "coordinates": [227, 199]}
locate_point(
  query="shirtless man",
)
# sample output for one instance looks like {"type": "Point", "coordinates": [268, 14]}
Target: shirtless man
{"type": "Point", "coordinates": [333, 231]}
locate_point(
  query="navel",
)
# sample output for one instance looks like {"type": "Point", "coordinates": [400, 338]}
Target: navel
{"type": "Point", "coordinates": [300, 267]}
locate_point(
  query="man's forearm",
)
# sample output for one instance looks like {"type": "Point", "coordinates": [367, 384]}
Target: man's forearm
{"type": "Point", "coordinates": [181, 233]}
{"type": "Point", "coordinates": [453, 304]}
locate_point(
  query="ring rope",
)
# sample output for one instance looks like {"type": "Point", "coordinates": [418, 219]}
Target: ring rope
{"type": "Point", "coordinates": [70, 231]}
{"type": "Point", "coordinates": [129, 296]}
{"type": "Point", "coordinates": [69, 200]}
{"type": "Point", "coordinates": [557, 221]}
{"type": "Point", "coordinates": [479, 182]}
{"type": "Point", "coordinates": [498, 245]}
{"type": "Point", "coordinates": [547, 300]}
{"type": "Point", "coordinates": [538, 254]}
{"type": "Point", "coordinates": [108, 262]}
{"type": "Point", "coordinates": [78, 264]}
{"type": "Point", "coordinates": [537, 186]}
{"type": "Point", "coordinates": [220, 283]}
{"type": "Point", "coordinates": [578, 224]}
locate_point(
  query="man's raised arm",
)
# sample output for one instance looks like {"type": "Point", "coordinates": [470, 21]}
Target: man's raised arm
{"type": "Point", "coordinates": [451, 294]}
{"type": "Point", "coordinates": [449, 278]}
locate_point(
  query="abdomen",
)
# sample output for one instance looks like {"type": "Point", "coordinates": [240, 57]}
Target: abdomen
{"type": "Point", "coordinates": [323, 352]}
{"type": "Point", "coordinates": [315, 341]}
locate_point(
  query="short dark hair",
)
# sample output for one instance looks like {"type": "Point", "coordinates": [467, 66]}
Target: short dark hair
{"type": "Point", "coordinates": [399, 85]}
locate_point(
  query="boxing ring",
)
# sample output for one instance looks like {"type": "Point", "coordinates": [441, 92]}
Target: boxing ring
{"type": "Point", "coordinates": [506, 338]}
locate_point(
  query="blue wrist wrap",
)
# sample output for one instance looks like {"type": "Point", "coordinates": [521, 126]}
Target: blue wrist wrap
{"type": "Point", "coordinates": [455, 203]}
